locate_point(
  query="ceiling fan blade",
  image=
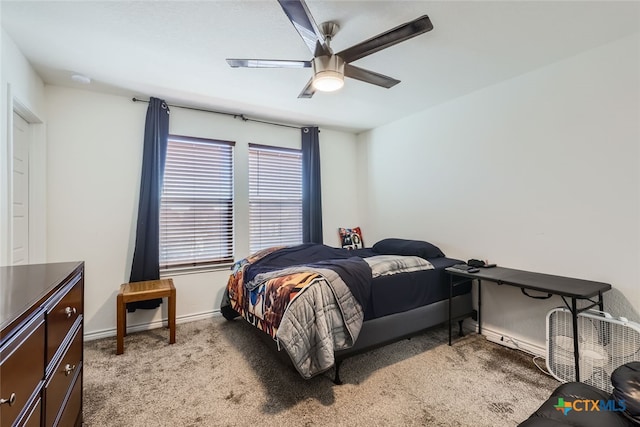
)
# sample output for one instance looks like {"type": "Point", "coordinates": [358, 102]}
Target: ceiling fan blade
{"type": "Point", "coordinates": [369, 76]}
{"type": "Point", "coordinates": [267, 63]}
{"type": "Point", "coordinates": [387, 39]}
{"type": "Point", "coordinates": [299, 15]}
{"type": "Point", "coordinates": [308, 90]}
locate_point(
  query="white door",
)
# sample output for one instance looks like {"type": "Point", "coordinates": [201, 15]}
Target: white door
{"type": "Point", "coordinates": [20, 195]}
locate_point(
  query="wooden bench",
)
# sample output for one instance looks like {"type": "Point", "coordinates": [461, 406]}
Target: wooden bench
{"type": "Point", "coordinates": [143, 291]}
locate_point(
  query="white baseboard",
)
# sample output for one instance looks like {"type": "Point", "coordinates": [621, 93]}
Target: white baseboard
{"type": "Point", "coordinates": [111, 332]}
{"type": "Point", "coordinates": [500, 337]}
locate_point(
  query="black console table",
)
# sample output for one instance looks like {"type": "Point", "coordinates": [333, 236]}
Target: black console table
{"type": "Point", "coordinates": [566, 287]}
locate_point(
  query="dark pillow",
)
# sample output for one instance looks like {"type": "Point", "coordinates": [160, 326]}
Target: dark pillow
{"type": "Point", "coordinates": [407, 247]}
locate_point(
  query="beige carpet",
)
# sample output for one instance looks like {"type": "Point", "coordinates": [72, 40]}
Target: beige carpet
{"type": "Point", "coordinates": [221, 373]}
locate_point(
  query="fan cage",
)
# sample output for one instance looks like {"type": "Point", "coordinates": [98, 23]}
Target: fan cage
{"type": "Point", "coordinates": [604, 343]}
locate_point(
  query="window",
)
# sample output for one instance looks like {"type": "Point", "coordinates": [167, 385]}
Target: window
{"type": "Point", "coordinates": [196, 208]}
{"type": "Point", "coordinates": [275, 197]}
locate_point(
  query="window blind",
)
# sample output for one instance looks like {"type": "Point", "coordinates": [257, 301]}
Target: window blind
{"type": "Point", "coordinates": [275, 197]}
{"type": "Point", "coordinates": [196, 211]}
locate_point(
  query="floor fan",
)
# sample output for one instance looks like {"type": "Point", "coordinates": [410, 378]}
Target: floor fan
{"type": "Point", "coordinates": [604, 343]}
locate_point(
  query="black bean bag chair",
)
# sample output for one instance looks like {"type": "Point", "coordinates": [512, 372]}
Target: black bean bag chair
{"type": "Point", "coordinates": [581, 405]}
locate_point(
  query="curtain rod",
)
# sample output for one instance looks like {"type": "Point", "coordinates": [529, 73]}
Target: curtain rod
{"type": "Point", "coordinates": [234, 115]}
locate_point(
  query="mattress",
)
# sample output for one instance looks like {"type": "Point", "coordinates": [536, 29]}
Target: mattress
{"type": "Point", "coordinates": [402, 292]}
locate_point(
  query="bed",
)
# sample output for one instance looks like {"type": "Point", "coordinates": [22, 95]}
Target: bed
{"type": "Point", "coordinates": [322, 304]}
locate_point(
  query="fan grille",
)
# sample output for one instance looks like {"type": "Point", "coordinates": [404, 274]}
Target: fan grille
{"type": "Point", "coordinates": [604, 344]}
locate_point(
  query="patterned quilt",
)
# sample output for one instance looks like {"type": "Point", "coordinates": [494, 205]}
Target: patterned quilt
{"type": "Point", "coordinates": [311, 309]}
{"type": "Point", "coordinates": [264, 305]}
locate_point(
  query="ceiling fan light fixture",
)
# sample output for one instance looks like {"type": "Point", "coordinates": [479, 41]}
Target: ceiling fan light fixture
{"type": "Point", "coordinates": [328, 73]}
{"type": "Point", "coordinates": [328, 81]}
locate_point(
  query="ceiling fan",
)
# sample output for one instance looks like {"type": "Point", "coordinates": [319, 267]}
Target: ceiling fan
{"type": "Point", "coordinates": [329, 68]}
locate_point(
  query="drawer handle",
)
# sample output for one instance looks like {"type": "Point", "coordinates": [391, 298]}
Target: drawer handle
{"type": "Point", "coordinates": [11, 400]}
{"type": "Point", "coordinates": [70, 311]}
{"type": "Point", "coordinates": [68, 369]}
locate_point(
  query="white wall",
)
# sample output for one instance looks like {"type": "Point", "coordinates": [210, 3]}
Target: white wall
{"type": "Point", "coordinates": [94, 161]}
{"type": "Point", "coordinates": [539, 173]}
{"type": "Point", "coordinates": [22, 91]}
{"type": "Point", "coordinates": [339, 170]}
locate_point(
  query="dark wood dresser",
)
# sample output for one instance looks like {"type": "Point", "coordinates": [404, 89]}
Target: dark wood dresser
{"type": "Point", "coordinates": [41, 344]}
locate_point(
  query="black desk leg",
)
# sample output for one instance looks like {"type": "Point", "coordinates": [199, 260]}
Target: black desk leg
{"type": "Point", "coordinates": [600, 301]}
{"type": "Point", "coordinates": [576, 354]}
{"type": "Point", "coordinates": [479, 307]}
{"type": "Point", "coordinates": [450, 305]}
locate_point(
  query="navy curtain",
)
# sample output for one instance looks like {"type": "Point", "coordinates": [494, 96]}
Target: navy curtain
{"type": "Point", "coordinates": [146, 254]}
{"type": "Point", "coordinates": [311, 196]}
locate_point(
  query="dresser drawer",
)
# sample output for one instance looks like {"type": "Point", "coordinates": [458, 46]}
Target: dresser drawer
{"type": "Point", "coordinates": [72, 413]}
{"type": "Point", "coordinates": [63, 314]}
{"type": "Point", "coordinates": [21, 368]}
{"type": "Point", "coordinates": [62, 377]}
{"type": "Point", "coordinates": [33, 416]}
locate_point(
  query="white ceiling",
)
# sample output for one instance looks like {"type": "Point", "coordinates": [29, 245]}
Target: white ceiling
{"type": "Point", "coordinates": [176, 50]}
